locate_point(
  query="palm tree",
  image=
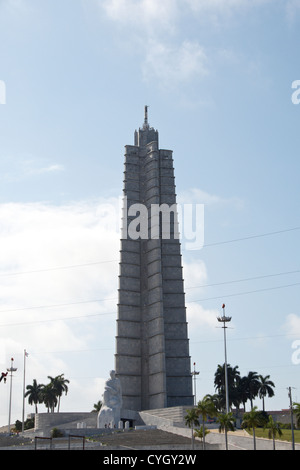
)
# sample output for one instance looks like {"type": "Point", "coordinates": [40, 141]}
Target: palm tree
{"type": "Point", "coordinates": [226, 421]}
{"type": "Point", "coordinates": [219, 382]}
{"type": "Point", "coordinates": [265, 388]}
{"type": "Point", "coordinates": [34, 394]}
{"type": "Point", "coordinates": [49, 397]}
{"type": "Point", "coordinates": [251, 420]}
{"type": "Point", "coordinates": [253, 384]}
{"type": "Point", "coordinates": [199, 432]}
{"type": "Point", "coordinates": [232, 374]}
{"type": "Point", "coordinates": [97, 407]}
{"type": "Point", "coordinates": [217, 401]}
{"type": "Point", "coordinates": [274, 430]}
{"type": "Point", "coordinates": [296, 411]}
{"type": "Point", "coordinates": [242, 391]}
{"type": "Point", "coordinates": [191, 420]}
{"type": "Point", "coordinates": [59, 384]}
{"type": "Point", "coordinates": [206, 408]}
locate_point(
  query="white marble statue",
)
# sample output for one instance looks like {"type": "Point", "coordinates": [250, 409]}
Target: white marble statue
{"type": "Point", "coordinates": [110, 412]}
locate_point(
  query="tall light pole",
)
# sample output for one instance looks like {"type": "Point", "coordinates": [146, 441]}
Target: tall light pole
{"type": "Point", "coordinates": [23, 410]}
{"type": "Point", "coordinates": [223, 319]}
{"type": "Point", "coordinates": [194, 373]}
{"type": "Point", "coordinates": [11, 370]}
{"type": "Point", "coordinates": [292, 420]}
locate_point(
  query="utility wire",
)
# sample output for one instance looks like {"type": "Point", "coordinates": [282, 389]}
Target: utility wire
{"type": "Point", "coordinates": [112, 313]}
{"type": "Point", "coordinates": [116, 261]}
{"type": "Point", "coordinates": [244, 338]}
{"type": "Point", "coordinates": [252, 236]}
{"type": "Point", "coordinates": [57, 268]}
{"type": "Point", "coordinates": [244, 280]}
{"type": "Point", "coordinates": [56, 319]}
{"type": "Point", "coordinates": [247, 292]}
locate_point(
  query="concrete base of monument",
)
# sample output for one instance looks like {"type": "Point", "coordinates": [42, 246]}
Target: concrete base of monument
{"type": "Point", "coordinates": [82, 421]}
{"type": "Point", "coordinates": [85, 423]}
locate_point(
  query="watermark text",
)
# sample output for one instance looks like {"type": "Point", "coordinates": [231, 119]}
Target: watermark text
{"type": "Point", "coordinates": [2, 92]}
{"type": "Point", "coordinates": [296, 93]}
{"type": "Point", "coordinates": [296, 353]}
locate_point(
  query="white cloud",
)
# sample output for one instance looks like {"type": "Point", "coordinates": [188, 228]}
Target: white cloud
{"type": "Point", "coordinates": [292, 10]}
{"type": "Point", "coordinates": [150, 27]}
{"type": "Point", "coordinates": [195, 278]}
{"type": "Point", "coordinates": [170, 66]}
{"type": "Point", "coordinates": [47, 169]}
{"type": "Point", "coordinates": [223, 6]}
{"type": "Point", "coordinates": [199, 318]}
{"type": "Point", "coordinates": [198, 196]}
{"type": "Point", "coordinates": [26, 166]}
{"type": "Point", "coordinates": [195, 274]}
{"type": "Point", "coordinates": [156, 14]}
{"type": "Point", "coordinates": [39, 303]}
{"type": "Point", "coordinates": [155, 31]}
{"type": "Point", "coordinates": [292, 324]}
{"type": "Point", "coordinates": [149, 14]}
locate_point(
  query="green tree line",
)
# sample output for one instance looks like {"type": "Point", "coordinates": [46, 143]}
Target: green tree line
{"type": "Point", "coordinates": [49, 394]}
{"type": "Point", "coordinates": [241, 389]}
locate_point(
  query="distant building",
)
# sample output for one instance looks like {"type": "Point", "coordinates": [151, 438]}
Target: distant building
{"type": "Point", "coordinates": [281, 416]}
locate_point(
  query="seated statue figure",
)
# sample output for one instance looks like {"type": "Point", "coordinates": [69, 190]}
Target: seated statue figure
{"type": "Point", "coordinates": [110, 412]}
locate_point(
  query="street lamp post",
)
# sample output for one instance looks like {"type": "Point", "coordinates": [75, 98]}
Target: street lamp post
{"type": "Point", "coordinates": [292, 421]}
{"type": "Point", "coordinates": [194, 373]}
{"type": "Point", "coordinates": [223, 319]}
{"type": "Point", "coordinates": [23, 411]}
{"type": "Point", "coordinates": [11, 370]}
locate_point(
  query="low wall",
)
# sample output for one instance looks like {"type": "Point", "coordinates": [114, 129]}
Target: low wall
{"type": "Point", "coordinates": [44, 422]}
{"type": "Point", "coordinates": [59, 420]}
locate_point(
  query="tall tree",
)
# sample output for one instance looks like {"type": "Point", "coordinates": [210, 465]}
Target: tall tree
{"type": "Point", "coordinates": [233, 375]}
{"type": "Point", "coordinates": [252, 420]}
{"type": "Point", "coordinates": [273, 430]}
{"type": "Point", "coordinates": [34, 394]}
{"type": "Point", "coordinates": [252, 380]}
{"type": "Point", "coordinates": [204, 409]}
{"type": "Point", "coordinates": [49, 397]}
{"type": "Point", "coordinates": [296, 411]}
{"type": "Point", "coordinates": [191, 420]}
{"type": "Point", "coordinates": [216, 400]}
{"type": "Point", "coordinates": [59, 384]}
{"type": "Point", "coordinates": [265, 388]}
{"type": "Point", "coordinates": [226, 421]}
{"type": "Point", "coordinates": [242, 391]}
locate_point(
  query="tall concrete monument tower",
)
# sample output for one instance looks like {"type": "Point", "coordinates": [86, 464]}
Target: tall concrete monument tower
{"type": "Point", "coordinates": [152, 350]}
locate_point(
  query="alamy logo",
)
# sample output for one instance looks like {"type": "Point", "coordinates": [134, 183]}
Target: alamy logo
{"type": "Point", "coordinates": [296, 353]}
{"type": "Point", "coordinates": [2, 92]}
{"type": "Point", "coordinates": [162, 221]}
{"type": "Point", "coordinates": [296, 94]}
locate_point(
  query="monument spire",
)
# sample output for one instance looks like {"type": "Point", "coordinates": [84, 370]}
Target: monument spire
{"type": "Point", "coordinates": [146, 124]}
{"type": "Point", "coordinates": [152, 347]}
{"type": "Point", "coordinates": [146, 134]}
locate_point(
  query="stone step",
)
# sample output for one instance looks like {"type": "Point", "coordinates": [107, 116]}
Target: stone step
{"type": "Point", "coordinates": [173, 414]}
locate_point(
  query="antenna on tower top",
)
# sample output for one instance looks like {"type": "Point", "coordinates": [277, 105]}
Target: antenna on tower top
{"type": "Point", "coordinates": [146, 124]}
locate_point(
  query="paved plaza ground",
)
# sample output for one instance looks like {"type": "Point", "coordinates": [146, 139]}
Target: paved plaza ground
{"type": "Point", "coordinates": [154, 439]}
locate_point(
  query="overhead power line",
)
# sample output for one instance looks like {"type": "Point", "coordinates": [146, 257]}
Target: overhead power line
{"type": "Point", "coordinates": [47, 320]}
{"type": "Point", "coordinates": [244, 280]}
{"type": "Point", "coordinates": [251, 237]}
{"type": "Point", "coordinates": [72, 266]}
{"type": "Point", "coordinates": [113, 313]}
{"type": "Point", "coordinates": [247, 292]}
{"type": "Point", "coordinates": [57, 268]}
{"type": "Point", "coordinates": [57, 305]}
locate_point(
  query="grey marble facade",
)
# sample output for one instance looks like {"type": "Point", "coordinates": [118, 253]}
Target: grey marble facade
{"type": "Point", "coordinates": [152, 350]}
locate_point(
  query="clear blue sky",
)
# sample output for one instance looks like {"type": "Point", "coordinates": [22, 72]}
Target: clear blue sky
{"type": "Point", "coordinates": [217, 75]}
